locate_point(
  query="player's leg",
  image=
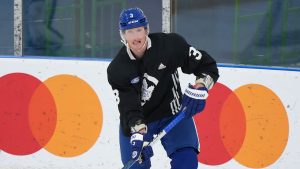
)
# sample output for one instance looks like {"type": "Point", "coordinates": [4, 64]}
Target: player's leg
{"type": "Point", "coordinates": [184, 158]}
{"type": "Point", "coordinates": [182, 145]}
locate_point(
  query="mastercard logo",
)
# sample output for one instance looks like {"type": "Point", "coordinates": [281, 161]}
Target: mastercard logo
{"type": "Point", "coordinates": [63, 115]}
{"type": "Point", "coordinates": [248, 124]}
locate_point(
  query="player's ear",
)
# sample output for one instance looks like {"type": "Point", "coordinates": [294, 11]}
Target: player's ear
{"type": "Point", "coordinates": [123, 40]}
{"type": "Point", "coordinates": [147, 29]}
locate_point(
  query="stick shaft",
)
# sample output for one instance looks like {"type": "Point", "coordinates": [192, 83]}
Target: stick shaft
{"type": "Point", "coordinates": [161, 134]}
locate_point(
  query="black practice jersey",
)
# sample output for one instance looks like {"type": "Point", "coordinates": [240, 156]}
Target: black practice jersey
{"type": "Point", "coordinates": [148, 89]}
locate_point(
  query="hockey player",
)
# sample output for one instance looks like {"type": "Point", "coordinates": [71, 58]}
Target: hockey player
{"type": "Point", "coordinates": [145, 80]}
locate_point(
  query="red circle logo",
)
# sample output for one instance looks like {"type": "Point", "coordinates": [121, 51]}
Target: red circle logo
{"type": "Point", "coordinates": [249, 124]}
{"type": "Point", "coordinates": [62, 115]}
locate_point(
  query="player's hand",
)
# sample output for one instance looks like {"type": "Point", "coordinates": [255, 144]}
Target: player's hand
{"type": "Point", "coordinates": [140, 149]}
{"type": "Point", "coordinates": [194, 100]}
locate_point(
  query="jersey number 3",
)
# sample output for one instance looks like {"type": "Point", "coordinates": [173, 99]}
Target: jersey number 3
{"type": "Point", "coordinates": [195, 53]}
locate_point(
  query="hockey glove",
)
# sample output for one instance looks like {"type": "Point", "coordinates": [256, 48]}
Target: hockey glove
{"type": "Point", "coordinates": [140, 151]}
{"type": "Point", "coordinates": [194, 100]}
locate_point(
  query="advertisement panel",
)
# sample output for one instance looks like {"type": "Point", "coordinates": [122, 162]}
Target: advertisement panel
{"type": "Point", "coordinates": [63, 114]}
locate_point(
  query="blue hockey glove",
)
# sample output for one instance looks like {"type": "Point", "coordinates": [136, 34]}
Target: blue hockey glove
{"type": "Point", "coordinates": [140, 151]}
{"type": "Point", "coordinates": [194, 100]}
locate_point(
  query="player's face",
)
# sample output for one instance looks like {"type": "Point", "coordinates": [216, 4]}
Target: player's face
{"type": "Point", "coordinates": [136, 39]}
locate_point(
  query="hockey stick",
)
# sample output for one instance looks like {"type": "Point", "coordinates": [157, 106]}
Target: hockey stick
{"type": "Point", "coordinates": [170, 126]}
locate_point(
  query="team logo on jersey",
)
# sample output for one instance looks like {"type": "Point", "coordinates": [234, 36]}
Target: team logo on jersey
{"type": "Point", "coordinates": [149, 83]}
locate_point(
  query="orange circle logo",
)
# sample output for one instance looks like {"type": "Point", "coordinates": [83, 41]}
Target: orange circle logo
{"type": "Point", "coordinates": [249, 124]}
{"type": "Point", "coordinates": [63, 115]}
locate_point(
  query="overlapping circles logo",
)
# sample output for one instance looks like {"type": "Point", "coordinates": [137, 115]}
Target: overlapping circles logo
{"type": "Point", "coordinates": [248, 124]}
{"type": "Point", "coordinates": [63, 115]}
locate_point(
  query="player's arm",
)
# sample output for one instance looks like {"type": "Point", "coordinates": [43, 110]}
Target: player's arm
{"type": "Point", "coordinates": [192, 60]}
{"type": "Point", "coordinates": [129, 104]}
{"type": "Point", "coordinates": [203, 66]}
{"type": "Point", "coordinates": [132, 120]}
{"type": "Point", "coordinates": [130, 109]}
{"type": "Point", "coordinates": [205, 70]}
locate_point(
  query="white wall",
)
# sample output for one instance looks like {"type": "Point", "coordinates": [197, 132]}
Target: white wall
{"type": "Point", "coordinates": [104, 153]}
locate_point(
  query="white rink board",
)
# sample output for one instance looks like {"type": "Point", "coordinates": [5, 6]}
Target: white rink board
{"type": "Point", "coordinates": [104, 154]}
